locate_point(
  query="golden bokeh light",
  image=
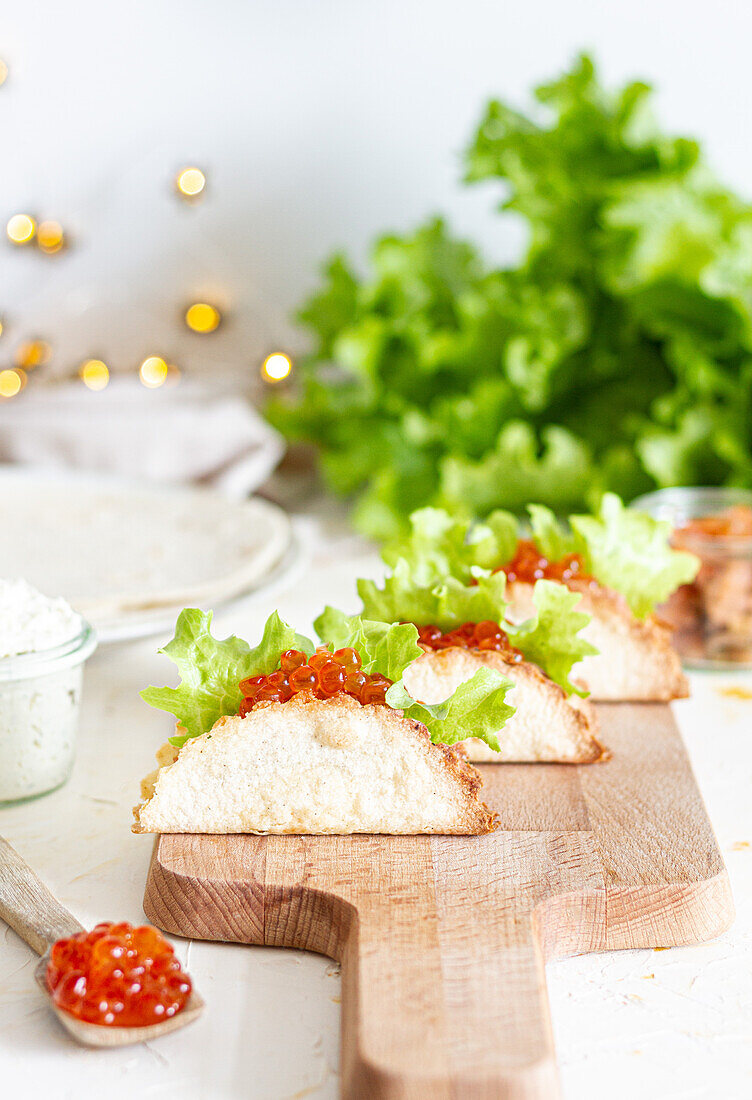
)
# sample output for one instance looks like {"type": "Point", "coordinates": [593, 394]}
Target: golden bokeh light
{"type": "Point", "coordinates": [11, 382]}
{"type": "Point", "coordinates": [276, 367]}
{"type": "Point", "coordinates": [153, 372]}
{"type": "Point", "coordinates": [94, 374]}
{"type": "Point", "coordinates": [32, 353]}
{"type": "Point", "coordinates": [3, 72]}
{"type": "Point", "coordinates": [202, 317]}
{"type": "Point", "coordinates": [50, 237]}
{"type": "Point", "coordinates": [2, 326]}
{"type": "Point", "coordinates": [190, 183]}
{"type": "Point", "coordinates": [21, 228]}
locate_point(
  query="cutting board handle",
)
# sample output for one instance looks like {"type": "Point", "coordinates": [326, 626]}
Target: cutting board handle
{"type": "Point", "coordinates": [28, 906]}
{"type": "Point", "coordinates": [423, 1019]}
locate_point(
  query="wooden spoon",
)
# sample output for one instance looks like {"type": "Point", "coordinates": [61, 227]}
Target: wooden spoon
{"type": "Point", "coordinates": [38, 917]}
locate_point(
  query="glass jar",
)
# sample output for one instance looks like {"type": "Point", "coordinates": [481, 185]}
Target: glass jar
{"type": "Point", "coordinates": [712, 616]}
{"type": "Point", "coordinates": [40, 694]}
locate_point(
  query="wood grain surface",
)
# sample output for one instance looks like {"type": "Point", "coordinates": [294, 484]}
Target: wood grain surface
{"type": "Point", "coordinates": [28, 906]}
{"type": "Point", "coordinates": [443, 940]}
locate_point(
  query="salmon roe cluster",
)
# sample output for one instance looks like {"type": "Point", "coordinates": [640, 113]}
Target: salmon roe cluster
{"type": "Point", "coordinates": [324, 674]}
{"type": "Point", "coordinates": [528, 564]}
{"type": "Point", "coordinates": [485, 635]}
{"type": "Point", "coordinates": [118, 975]}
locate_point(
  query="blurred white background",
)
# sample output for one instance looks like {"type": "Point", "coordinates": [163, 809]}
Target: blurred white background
{"type": "Point", "coordinates": [318, 125]}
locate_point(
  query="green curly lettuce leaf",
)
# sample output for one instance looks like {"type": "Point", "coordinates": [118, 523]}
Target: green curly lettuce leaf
{"type": "Point", "coordinates": [440, 544]}
{"type": "Point", "coordinates": [211, 669]}
{"type": "Point", "coordinates": [630, 551]}
{"type": "Point", "coordinates": [623, 549]}
{"type": "Point", "coordinates": [551, 638]}
{"type": "Point", "coordinates": [518, 469]}
{"type": "Point", "coordinates": [614, 354]}
{"type": "Point", "coordinates": [384, 647]}
{"type": "Point", "coordinates": [446, 604]}
{"type": "Point", "coordinates": [477, 708]}
{"type": "Point", "coordinates": [550, 536]}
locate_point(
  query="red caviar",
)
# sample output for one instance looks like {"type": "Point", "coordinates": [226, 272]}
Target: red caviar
{"type": "Point", "coordinates": [486, 635]}
{"type": "Point", "coordinates": [118, 975]}
{"type": "Point", "coordinates": [323, 674]}
{"type": "Point", "coordinates": [529, 565]}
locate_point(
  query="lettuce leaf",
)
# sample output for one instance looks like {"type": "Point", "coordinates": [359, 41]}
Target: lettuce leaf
{"type": "Point", "coordinates": [211, 669]}
{"type": "Point", "coordinates": [550, 639]}
{"type": "Point", "coordinates": [613, 354]}
{"type": "Point", "coordinates": [505, 529]}
{"type": "Point", "coordinates": [549, 535]}
{"type": "Point", "coordinates": [387, 648]}
{"type": "Point", "coordinates": [553, 466]}
{"type": "Point", "coordinates": [623, 549]}
{"type": "Point", "coordinates": [440, 544]}
{"type": "Point", "coordinates": [447, 604]}
{"type": "Point", "coordinates": [630, 551]}
{"type": "Point", "coordinates": [477, 708]}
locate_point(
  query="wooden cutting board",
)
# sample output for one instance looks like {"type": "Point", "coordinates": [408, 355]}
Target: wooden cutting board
{"type": "Point", "coordinates": [443, 940]}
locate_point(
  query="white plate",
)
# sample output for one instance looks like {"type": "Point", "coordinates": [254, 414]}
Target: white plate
{"type": "Point", "coordinates": [127, 556]}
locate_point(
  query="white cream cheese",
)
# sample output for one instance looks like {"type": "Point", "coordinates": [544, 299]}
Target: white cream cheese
{"type": "Point", "coordinates": [30, 622]}
{"type": "Point", "coordinates": [43, 644]}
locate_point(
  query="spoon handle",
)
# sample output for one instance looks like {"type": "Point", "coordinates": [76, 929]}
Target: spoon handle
{"type": "Point", "coordinates": [28, 906]}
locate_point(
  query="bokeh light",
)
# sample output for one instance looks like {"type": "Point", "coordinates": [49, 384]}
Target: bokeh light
{"type": "Point", "coordinates": [153, 371]}
{"type": "Point", "coordinates": [94, 374]}
{"type": "Point", "coordinates": [3, 72]}
{"type": "Point", "coordinates": [50, 237]}
{"type": "Point", "coordinates": [32, 353]}
{"type": "Point", "coordinates": [276, 367]}
{"type": "Point", "coordinates": [21, 228]}
{"type": "Point", "coordinates": [202, 317]}
{"type": "Point", "coordinates": [11, 382]}
{"type": "Point", "coordinates": [190, 182]}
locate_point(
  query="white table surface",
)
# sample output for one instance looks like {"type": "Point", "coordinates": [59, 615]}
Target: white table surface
{"type": "Point", "coordinates": [655, 1024]}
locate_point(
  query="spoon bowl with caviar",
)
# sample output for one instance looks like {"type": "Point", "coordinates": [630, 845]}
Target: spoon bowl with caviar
{"type": "Point", "coordinates": [115, 985]}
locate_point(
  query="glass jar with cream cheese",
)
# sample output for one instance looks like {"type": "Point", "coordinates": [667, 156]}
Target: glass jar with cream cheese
{"type": "Point", "coordinates": [43, 646]}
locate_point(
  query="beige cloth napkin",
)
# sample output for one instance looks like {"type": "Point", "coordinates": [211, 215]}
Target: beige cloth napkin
{"type": "Point", "coordinates": [186, 432]}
